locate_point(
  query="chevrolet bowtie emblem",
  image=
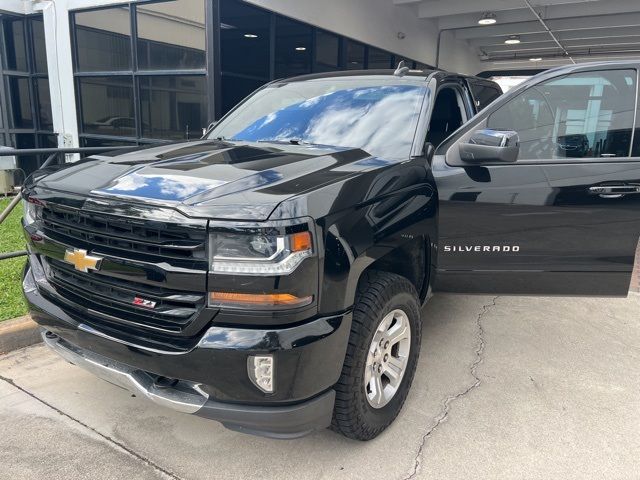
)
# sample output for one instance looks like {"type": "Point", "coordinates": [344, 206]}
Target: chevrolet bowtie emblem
{"type": "Point", "coordinates": [81, 261]}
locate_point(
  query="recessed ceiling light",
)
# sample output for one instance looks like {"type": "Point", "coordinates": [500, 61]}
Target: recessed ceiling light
{"type": "Point", "coordinates": [301, 49]}
{"type": "Point", "coordinates": [512, 40]}
{"type": "Point", "coordinates": [535, 59]}
{"type": "Point", "coordinates": [487, 18]}
{"type": "Point", "coordinates": [250, 35]}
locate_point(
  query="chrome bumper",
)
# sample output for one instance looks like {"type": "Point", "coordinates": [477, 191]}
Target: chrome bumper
{"type": "Point", "coordinates": [183, 396]}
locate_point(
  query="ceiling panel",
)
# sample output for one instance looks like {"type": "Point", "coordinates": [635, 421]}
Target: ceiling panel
{"type": "Point", "coordinates": [586, 29]}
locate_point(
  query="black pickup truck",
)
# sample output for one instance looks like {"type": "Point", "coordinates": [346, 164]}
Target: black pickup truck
{"type": "Point", "coordinates": [271, 275]}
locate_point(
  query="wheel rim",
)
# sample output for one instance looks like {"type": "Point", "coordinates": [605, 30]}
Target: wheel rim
{"type": "Point", "coordinates": [387, 358]}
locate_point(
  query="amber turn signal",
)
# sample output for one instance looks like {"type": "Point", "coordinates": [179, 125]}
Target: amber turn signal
{"type": "Point", "coordinates": [300, 242]}
{"type": "Point", "coordinates": [265, 300]}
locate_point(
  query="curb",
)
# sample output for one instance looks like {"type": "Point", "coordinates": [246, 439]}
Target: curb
{"type": "Point", "coordinates": [18, 333]}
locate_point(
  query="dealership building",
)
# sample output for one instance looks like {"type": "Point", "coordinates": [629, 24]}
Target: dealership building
{"type": "Point", "coordinates": [105, 72]}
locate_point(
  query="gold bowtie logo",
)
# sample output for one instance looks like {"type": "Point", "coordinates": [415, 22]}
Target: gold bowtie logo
{"type": "Point", "coordinates": [81, 261]}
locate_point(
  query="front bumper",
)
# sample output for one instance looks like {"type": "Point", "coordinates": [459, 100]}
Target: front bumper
{"type": "Point", "coordinates": [211, 379]}
{"type": "Point", "coordinates": [187, 397]}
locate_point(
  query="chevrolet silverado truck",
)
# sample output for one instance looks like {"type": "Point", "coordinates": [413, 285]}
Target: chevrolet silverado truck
{"type": "Point", "coordinates": [270, 276]}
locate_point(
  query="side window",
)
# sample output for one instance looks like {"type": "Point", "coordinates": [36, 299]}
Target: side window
{"type": "Point", "coordinates": [483, 94]}
{"type": "Point", "coordinates": [447, 116]}
{"type": "Point", "coordinates": [581, 115]}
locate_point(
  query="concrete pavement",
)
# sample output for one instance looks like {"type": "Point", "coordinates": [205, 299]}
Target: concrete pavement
{"type": "Point", "coordinates": [507, 387]}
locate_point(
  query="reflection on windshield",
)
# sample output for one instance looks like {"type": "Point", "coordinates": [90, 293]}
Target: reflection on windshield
{"type": "Point", "coordinates": [380, 119]}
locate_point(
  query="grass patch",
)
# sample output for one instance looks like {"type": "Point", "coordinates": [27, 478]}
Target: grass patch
{"type": "Point", "coordinates": [11, 239]}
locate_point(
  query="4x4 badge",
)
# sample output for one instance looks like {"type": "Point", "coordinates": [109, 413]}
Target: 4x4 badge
{"type": "Point", "coordinates": [81, 261]}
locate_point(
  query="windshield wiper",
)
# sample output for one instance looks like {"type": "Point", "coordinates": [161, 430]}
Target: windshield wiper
{"type": "Point", "coordinates": [292, 141]}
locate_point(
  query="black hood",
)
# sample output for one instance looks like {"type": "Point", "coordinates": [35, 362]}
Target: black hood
{"type": "Point", "coordinates": [230, 180]}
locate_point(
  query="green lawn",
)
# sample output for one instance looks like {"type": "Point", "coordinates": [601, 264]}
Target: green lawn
{"type": "Point", "coordinates": [11, 239]}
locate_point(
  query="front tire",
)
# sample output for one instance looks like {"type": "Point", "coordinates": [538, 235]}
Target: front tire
{"type": "Point", "coordinates": [382, 356]}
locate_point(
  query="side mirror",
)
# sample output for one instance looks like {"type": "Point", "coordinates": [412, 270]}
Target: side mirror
{"type": "Point", "coordinates": [488, 146]}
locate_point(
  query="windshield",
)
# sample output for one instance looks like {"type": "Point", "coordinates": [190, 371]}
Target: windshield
{"type": "Point", "coordinates": [377, 115]}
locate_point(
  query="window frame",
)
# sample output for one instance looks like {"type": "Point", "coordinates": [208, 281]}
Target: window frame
{"type": "Point", "coordinates": [8, 132]}
{"type": "Point", "coordinates": [135, 73]}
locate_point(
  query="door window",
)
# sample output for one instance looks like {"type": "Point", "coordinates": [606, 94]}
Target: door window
{"type": "Point", "coordinates": [581, 115]}
{"type": "Point", "coordinates": [484, 94]}
{"type": "Point", "coordinates": [447, 116]}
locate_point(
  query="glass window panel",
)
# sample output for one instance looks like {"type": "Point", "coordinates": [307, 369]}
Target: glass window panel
{"type": "Point", "coordinates": [173, 107]}
{"type": "Point", "coordinates": [483, 94]}
{"type": "Point", "coordinates": [355, 55]}
{"type": "Point", "coordinates": [44, 104]}
{"type": "Point", "coordinates": [104, 142]}
{"type": "Point", "coordinates": [579, 115]}
{"type": "Point", "coordinates": [171, 35]}
{"type": "Point", "coordinates": [378, 59]}
{"type": "Point", "coordinates": [293, 48]}
{"type": "Point", "coordinates": [327, 52]}
{"type": "Point", "coordinates": [423, 66]}
{"type": "Point", "coordinates": [39, 48]}
{"type": "Point", "coordinates": [245, 39]}
{"type": "Point", "coordinates": [15, 44]}
{"type": "Point", "coordinates": [30, 163]}
{"type": "Point", "coordinates": [107, 105]}
{"type": "Point", "coordinates": [20, 102]}
{"type": "Point", "coordinates": [234, 89]}
{"type": "Point", "coordinates": [47, 141]}
{"type": "Point", "coordinates": [103, 40]}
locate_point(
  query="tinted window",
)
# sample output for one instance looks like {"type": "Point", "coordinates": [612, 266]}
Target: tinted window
{"type": "Point", "coordinates": [15, 45]}
{"type": "Point", "coordinates": [173, 107]}
{"type": "Point", "coordinates": [245, 40]}
{"type": "Point", "coordinates": [44, 104]}
{"type": "Point", "coordinates": [378, 117]}
{"type": "Point", "coordinates": [355, 55]}
{"type": "Point", "coordinates": [378, 59]}
{"type": "Point", "coordinates": [171, 35]}
{"type": "Point", "coordinates": [20, 102]}
{"type": "Point", "coordinates": [234, 89]}
{"type": "Point", "coordinates": [576, 116]}
{"type": "Point", "coordinates": [483, 94]}
{"type": "Point", "coordinates": [107, 103]}
{"type": "Point", "coordinates": [30, 163]}
{"type": "Point", "coordinates": [103, 40]}
{"type": "Point", "coordinates": [39, 48]}
{"type": "Point", "coordinates": [293, 48]}
{"type": "Point", "coordinates": [327, 52]}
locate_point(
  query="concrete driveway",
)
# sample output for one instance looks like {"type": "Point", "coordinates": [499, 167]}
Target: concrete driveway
{"type": "Point", "coordinates": [507, 387]}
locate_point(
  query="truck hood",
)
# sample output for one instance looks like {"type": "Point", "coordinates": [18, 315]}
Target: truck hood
{"type": "Point", "coordinates": [212, 179]}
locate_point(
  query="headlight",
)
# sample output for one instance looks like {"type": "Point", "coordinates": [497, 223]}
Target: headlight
{"type": "Point", "coordinates": [32, 210]}
{"type": "Point", "coordinates": [263, 252]}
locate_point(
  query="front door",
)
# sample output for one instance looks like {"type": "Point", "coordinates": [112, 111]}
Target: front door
{"type": "Point", "coordinates": [564, 217]}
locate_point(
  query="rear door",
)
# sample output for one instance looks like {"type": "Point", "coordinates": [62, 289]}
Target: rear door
{"type": "Point", "coordinates": [564, 217]}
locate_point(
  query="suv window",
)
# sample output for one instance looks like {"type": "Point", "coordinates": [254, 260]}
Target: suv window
{"type": "Point", "coordinates": [580, 115]}
{"type": "Point", "coordinates": [483, 94]}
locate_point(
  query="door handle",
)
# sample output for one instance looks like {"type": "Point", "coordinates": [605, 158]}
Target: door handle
{"type": "Point", "coordinates": [615, 191]}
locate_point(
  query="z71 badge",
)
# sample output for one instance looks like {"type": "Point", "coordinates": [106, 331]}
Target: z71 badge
{"type": "Point", "coordinates": [143, 302]}
{"type": "Point", "coordinates": [482, 248]}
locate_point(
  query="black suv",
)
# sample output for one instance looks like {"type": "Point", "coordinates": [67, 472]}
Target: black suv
{"type": "Point", "coordinates": [271, 275]}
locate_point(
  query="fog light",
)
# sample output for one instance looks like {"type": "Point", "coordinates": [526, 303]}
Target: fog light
{"type": "Point", "coordinates": [261, 372]}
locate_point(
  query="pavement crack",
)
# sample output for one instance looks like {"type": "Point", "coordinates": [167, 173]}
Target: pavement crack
{"type": "Point", "coordinates": [446, 405]}
{"type": "Point", "coordinates": [107, 438]}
